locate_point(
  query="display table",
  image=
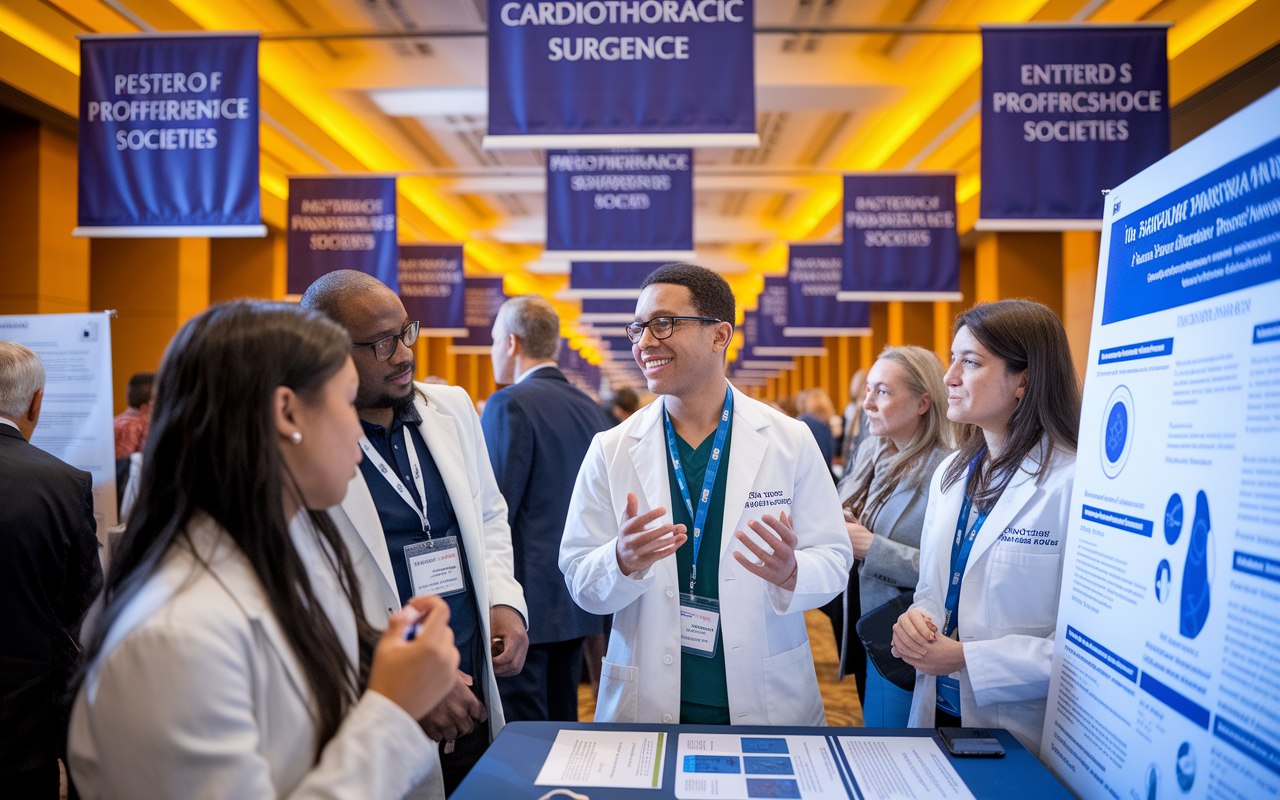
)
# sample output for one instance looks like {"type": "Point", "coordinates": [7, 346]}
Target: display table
{"type": "Point", "coordinates": [511, 764]}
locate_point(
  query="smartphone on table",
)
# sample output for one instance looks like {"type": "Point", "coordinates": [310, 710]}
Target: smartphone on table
{"type": "Point", "coordinates": [971, 743]}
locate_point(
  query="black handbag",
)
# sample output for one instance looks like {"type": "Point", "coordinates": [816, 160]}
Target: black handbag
{"type": "Point", "coordinates": [875, 630]}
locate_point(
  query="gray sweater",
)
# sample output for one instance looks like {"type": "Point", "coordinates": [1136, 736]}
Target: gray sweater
{"type": "Point", "coordinates": [892, 565]}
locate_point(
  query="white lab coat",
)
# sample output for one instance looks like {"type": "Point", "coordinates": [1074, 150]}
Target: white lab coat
{"type": "Point", "coordinates": [769, 667]}
{"type": "Point", "coordinates": [197, 692]}
{"type": "Point", "coordinates": [1008, 606]}
{"type": "Point", "coordinates": [451, 429]}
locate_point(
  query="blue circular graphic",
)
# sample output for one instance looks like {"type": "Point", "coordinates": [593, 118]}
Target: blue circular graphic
{"type": "Point", "coordinates": [1164, 580]}
{"type": "Point", "coordinates": [1117, 432]}
{"type": "Point", "coordinates": [1186, 767]}
{"type": "Point", "coordinates": [1119, 426]}
{"type": "Point", "coordinates": [1173, 519]}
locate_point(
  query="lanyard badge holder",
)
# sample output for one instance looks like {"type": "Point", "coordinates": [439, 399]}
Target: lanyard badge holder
{"type": "Point", "coordinates": [699, 616]}
{"type": "Point", "coordinates": [435, 566]}
{"type": "Point", "coordinates": [961, 547]}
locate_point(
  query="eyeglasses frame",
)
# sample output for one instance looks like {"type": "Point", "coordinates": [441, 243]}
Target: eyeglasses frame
{"type": "Point", "coordinates": [415, 324]}
{"type": "Point", "coordinates": [645, 326]}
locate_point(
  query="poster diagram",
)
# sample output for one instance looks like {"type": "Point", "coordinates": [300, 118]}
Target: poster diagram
{"type": "Point", "coordinates": [723, 765]}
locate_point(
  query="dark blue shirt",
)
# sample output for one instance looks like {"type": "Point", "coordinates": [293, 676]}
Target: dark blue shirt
{"type": "Point", "coordinates": [402, 526]}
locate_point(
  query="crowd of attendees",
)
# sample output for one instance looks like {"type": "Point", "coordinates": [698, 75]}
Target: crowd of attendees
{"type": "Point", "coordinates": [334, 581]}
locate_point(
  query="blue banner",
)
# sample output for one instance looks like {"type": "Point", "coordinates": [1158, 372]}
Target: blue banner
{"type": "Point", "coordinates": [609, 280]}
{"type": "Point", "coordinates": [771, 319]}
{"type": "Point", "coordinates": [750, 337]}
{"type": "Point", "coordinates": [1066, 113]}
{"type": "Point", "coordinates": [169, 136]}
{"type": "Point", "coordinates": [555, 72]}
{"type": "Point", "coordinates": [483, 298]}
{"type": "Point", "coordinates": [600, 202]}
{"type": "Point", "coordinates": [814, 272]}
{"type": "Point", "coordinates": [342, 223]}
{"type": "Point", "coordinates": [606, 312]}
{"type": "Point", "coordinates": [617, 348]}
{"type": "Point", "coordinates": [900, 240]}
{"type": "Point", "coordinates": [431, 287]}
{"type": "Point", "coordinates": [1217, 234]}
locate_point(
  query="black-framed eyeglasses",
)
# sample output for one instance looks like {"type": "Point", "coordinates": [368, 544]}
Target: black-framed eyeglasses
{"type": "Point", "coordinates": [386, 346]}
{"type": "Point", "coordinates": [661, 327]}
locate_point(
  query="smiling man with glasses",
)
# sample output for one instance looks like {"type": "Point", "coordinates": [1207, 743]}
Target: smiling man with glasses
{"type": "Point", "coordinates": [424, 515]}
{"type": "Point", "coordinates": [706, 523]}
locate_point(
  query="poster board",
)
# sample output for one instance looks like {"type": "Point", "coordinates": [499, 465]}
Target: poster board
{"type": "Point", "coordinates": [1163, 681]}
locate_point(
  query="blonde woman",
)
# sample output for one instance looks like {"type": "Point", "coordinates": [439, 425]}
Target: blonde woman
{"type": "Point", "coordinates": [885, 495]}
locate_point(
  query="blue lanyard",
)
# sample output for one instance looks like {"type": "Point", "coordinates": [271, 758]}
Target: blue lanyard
{"type": "Point", "coordinates": [961, 546]}
{"type": "Point", "coordinates": [708, 483]}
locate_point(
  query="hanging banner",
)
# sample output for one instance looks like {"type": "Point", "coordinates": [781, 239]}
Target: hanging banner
{"type": "Point", "coordinates": [430, 277]}
{"type": "Point", "coordinates": [483, 298]}
{"type": "Point", "coordinates": [1163, 682]}
{"type": "Point", "coordinates": [75, 418]}
{"type": "Point", "coordinates": [620, 205]}
{"type": "Point", "coordinates": [750, 337]}
{"type": "Point", "coordinates": [814, 272]}
{"type": "Point", "coordinates": [605, 312]}
{"type": "Point", "coordinates": [900, 240]}
{"type": "Point", "coordinates": [772, 319]}
{"type": "Point", "coordinates": [617, 348]}
{"type": "Point", "coordinates": [342, 223]}
{"type": "Point", "coordinates": [555, 70]}
{"type": "Point", "coordinates": [608, 281]}
{"type": "Point", "coordinates": [1068, 111]}
{"type": "Point", "coordinates": [168, 140]}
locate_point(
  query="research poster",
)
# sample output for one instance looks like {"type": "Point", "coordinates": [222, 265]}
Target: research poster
{"type": "Point", "coordinates": [76, 414]}
{"type": "Point", "coordinates": [1165, 681]}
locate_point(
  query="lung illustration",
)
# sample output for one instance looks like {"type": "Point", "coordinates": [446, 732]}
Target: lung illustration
{"type": "Point", "coordinates": [1195, 575]}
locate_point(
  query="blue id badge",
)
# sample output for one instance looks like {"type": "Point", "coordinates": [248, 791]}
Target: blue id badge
{"type": "Point", "coordinates": [435, 566]}
{"type": "Point", "coordinates": [699, 625]}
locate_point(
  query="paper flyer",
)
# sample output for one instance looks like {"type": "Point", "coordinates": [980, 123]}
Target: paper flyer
{"type": "Point", "coordinates": [613, 759]}
{"type": "Point", "coordinates": [728, 765]}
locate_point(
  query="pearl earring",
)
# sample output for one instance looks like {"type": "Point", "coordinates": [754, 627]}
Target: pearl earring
{"type": "Point", "coordinates": [296, 437]}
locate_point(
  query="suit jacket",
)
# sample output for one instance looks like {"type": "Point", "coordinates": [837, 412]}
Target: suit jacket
{"type": "Point", "coordinates": [197, 692]}
{"type": "Point", "coordinates": [538, 431]}
{"type": "Point", "coordinates": [452, 432]}
{"type": "Point", "coordinates": [892, 565]}
{"type": "Point", "coordinates": [49, 574]}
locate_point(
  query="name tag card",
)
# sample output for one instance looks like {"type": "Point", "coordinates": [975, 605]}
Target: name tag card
{"type": "Point", "coordinates": [435, 567]}
{"type": "Point", "coordinates": [699, 625]}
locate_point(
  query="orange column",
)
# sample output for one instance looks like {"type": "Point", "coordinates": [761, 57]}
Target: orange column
{"type": "Point", "coordinates": [843, 373]}
{"type": "Point", "coordinates": [248, 268]}
{"type": "Point", "coordinates": [896, 334]}
{"type": "Point", "coordinates": [942, 330]}
{"type": "Point", "coordinates": [1018, 264]}
{"type": "Point", "coordinates": [866, 356]}
{"type": "Point", "coordinates": [1079, 282]}
{"type": "Point", "coordinates": [45, 269]}
{"type": "Point", "coordinates": [156, 285]}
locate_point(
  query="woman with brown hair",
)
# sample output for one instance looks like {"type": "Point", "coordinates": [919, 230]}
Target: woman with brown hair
{"type": "Point", "coordinates": [885, 493]}
{"type": "Point", "coordinates": [980, 631]}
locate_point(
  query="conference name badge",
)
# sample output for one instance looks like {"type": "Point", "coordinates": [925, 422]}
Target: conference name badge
{"type": "Point", "coordinates": [435, 567]}
{"type": "Point", "coordinates": [699, 625]}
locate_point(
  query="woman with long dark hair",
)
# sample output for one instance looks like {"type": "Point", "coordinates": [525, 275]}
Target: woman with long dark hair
{"type": "Point", "coordinates": [231, 657]}
{"type": "Point", "coordinates": [885, 494]}
{"type": "Point", "coordinates": [980, 631]}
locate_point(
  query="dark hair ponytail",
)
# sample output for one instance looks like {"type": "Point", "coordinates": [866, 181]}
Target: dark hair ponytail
{"type": "Point", "coordinates": [1025, 335]}
{"type": "Point", "coordinates": [212, 447]}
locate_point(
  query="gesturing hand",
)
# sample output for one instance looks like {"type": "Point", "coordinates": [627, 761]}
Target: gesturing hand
{"type": "Point", "coordinates": [778, 567]}
{"type": "Point", "coordinates": [637, 548]}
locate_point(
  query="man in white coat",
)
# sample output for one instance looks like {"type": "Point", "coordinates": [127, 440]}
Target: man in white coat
{"type": "Point", "coordinates": [706, 524]}
{"type": "Point", "coordinates": [424, 515]}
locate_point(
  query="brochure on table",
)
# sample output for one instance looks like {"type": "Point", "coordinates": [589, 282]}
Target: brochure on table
{"type": "Point", "coordinates": [1163, 682]}
{"type": "Point", "coordinates": [731, 766]}
{"type": "Point", "coordinates": [616, 759]}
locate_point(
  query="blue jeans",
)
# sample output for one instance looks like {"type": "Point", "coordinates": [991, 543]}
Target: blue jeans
{"type": "Point", "coordinates": [885, 705]}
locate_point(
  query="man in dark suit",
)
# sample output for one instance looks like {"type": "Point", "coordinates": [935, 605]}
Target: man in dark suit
{"type": "Point", "coordinates": [49, 574]}
{"type": "Point", "coordinates": [538, 430]}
